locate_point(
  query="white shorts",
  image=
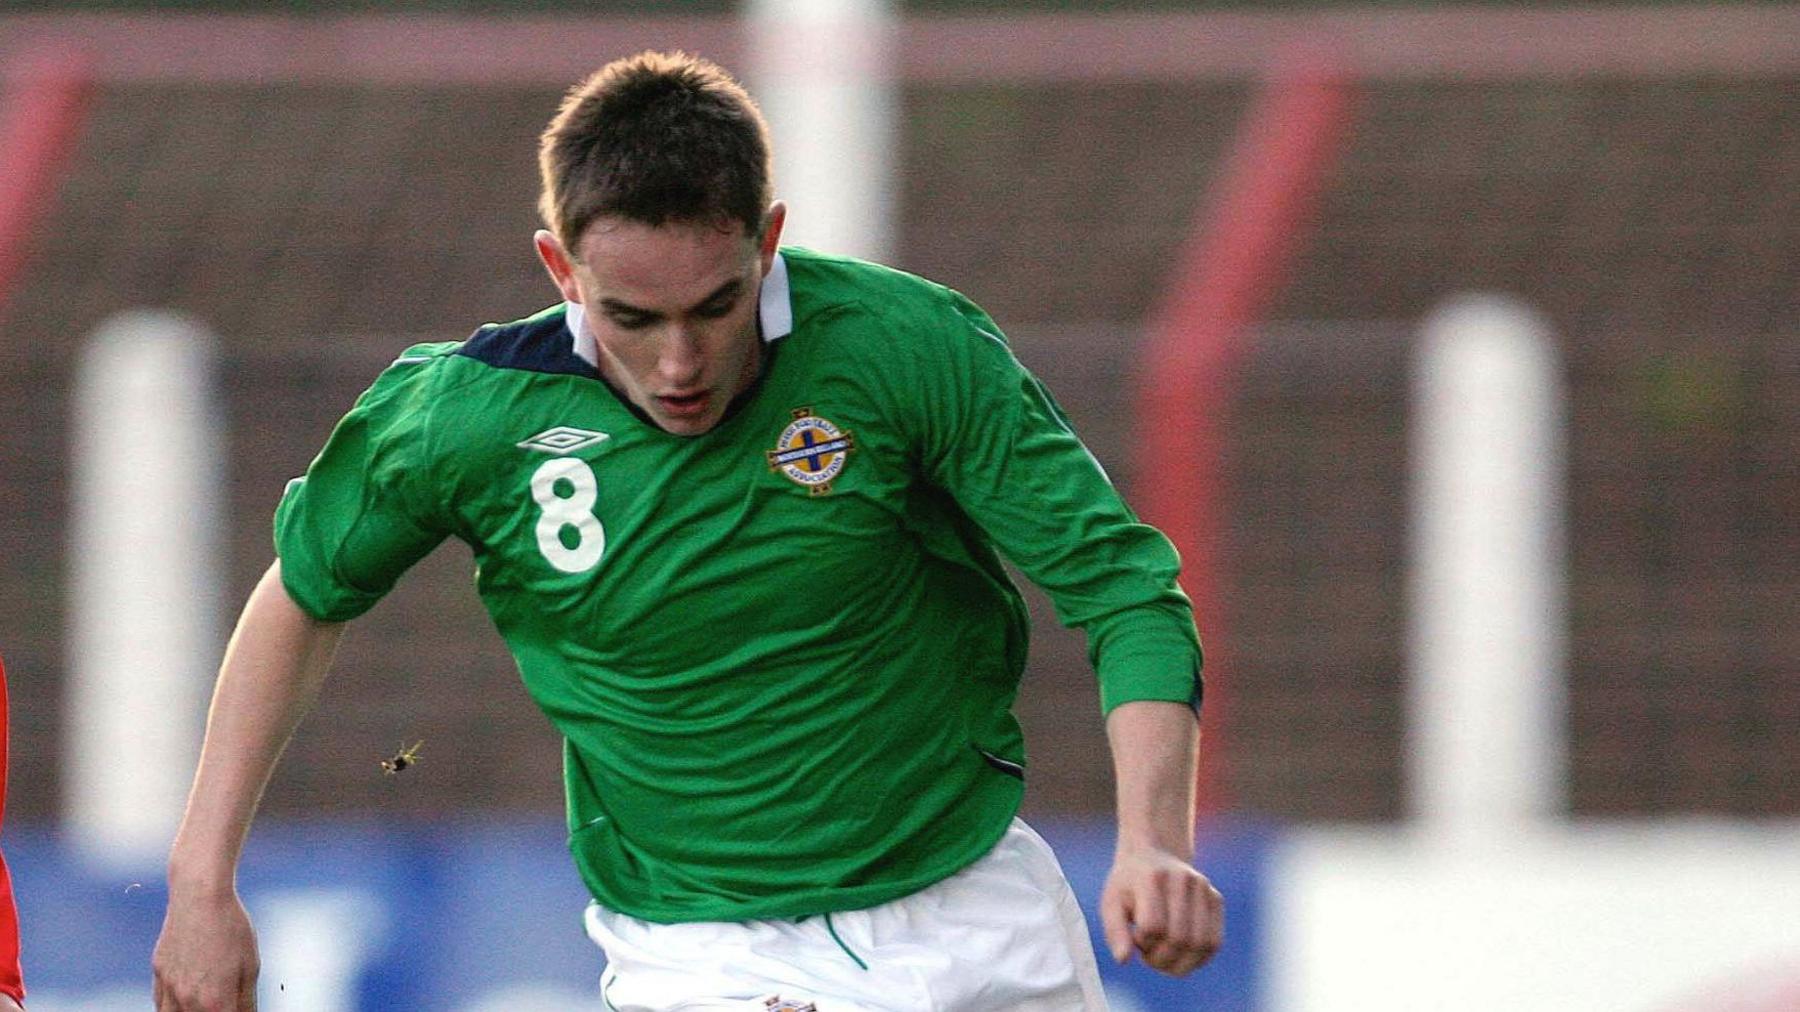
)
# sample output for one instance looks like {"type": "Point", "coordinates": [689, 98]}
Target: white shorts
{"type": "Point", "coordinates": [1005, 933]}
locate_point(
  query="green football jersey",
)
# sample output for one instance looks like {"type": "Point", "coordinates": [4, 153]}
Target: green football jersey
{"type": "Point", "coordinates": [782, 654]}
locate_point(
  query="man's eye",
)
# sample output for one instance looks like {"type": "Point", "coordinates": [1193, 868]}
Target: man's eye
{"type": "Point", "coordinates": [713, 311]}
{"type": "Point", "coordinates": [631, 322]}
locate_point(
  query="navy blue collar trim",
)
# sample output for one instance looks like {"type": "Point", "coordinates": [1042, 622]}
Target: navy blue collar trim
{"type": "Point", "coordinates": [536, 344]}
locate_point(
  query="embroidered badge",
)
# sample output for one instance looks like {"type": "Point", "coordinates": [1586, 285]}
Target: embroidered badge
{"type": "Point", "coordinates": [811, 451]}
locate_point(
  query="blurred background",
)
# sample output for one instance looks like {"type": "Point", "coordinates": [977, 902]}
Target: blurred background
{"type": "Point", "coordinates": [1503, 702]}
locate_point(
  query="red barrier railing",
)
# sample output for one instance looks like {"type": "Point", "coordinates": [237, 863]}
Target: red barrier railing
{"type": "Point", "coordinates": [1464, 42]}
{"type": "Point", "coordinates": [43, 101]}
{"type": "Point", "coordinates": [1245, 236]}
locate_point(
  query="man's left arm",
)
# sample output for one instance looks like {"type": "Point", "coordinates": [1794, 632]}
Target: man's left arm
{"type": "Point", "coordinates": [1003, 448]}
{"type": "Point", "coordinates": [1155, 901]}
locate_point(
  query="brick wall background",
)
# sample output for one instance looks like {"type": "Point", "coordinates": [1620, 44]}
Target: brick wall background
{"type": "Point", "coordinates": [318, 230]}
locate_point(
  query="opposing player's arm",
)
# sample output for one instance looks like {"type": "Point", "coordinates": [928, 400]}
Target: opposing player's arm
{"type": "Point", "coordinates": [1155, 901]}
{"type": "Point", "coordinates": [274, 665]}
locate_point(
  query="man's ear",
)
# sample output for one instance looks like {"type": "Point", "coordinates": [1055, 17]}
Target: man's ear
{"type": "Point", "coordinates": [558, 262]}
{"type": "Point", "coordinates": [771, 237]}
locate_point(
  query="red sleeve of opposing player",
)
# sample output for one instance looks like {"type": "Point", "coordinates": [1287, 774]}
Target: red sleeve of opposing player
{"type": "Point", "coordinates": [11, 981]}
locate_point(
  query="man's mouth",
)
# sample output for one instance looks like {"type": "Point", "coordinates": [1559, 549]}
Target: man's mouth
{"type": "Point", "coordinates": [682, 405]}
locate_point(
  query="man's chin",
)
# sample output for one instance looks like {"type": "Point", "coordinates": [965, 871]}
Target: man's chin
{"type": "Point", "coordinates": [688, 427]}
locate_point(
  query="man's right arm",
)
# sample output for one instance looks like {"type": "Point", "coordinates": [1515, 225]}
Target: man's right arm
{"type": "Point", "coordinates": [276, 661]}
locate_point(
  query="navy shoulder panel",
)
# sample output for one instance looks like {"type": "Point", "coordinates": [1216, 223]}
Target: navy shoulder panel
{"type": "Point", "coordinates": [538, 343]}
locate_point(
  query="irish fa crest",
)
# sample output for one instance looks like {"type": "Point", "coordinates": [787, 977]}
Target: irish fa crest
{"type": "Point", "coordinates": [811, 451]}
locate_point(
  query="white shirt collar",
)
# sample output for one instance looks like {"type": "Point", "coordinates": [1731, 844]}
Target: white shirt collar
{"type": "Point", "coordinates": [775, 310]}
{"type": "Point", "coordinates": [776, 305]}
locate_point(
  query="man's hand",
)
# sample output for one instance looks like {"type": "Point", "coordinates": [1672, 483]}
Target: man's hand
{"type": "Point", "coordinates": [1157, 903]}
{"type": "Point", "coordinates": [205, 960]}
{"type": "Point", "coordinates": [1154, 899]}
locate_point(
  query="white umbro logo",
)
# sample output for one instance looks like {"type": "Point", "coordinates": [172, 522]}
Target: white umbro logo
{"type": "Point", "coordinates": [563, 439]}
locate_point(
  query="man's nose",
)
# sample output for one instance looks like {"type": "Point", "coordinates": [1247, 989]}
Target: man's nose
{"type": "Point", "coordinates": [682, 358]}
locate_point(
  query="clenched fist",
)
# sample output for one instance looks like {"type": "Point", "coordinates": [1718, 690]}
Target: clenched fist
{"type": "Point", "coordinates": [1160, 905]}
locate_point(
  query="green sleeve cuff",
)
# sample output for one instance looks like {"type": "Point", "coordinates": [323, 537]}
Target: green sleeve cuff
{"type": "Point", "coordinates": [1155, 661]}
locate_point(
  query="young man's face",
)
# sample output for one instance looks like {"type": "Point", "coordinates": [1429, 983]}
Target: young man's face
{"type": "Point", "coordinates": [672, 309]}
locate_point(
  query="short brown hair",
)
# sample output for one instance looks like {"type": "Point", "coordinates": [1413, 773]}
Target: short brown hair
{"type": "Point", "coordinates": [655, 138]}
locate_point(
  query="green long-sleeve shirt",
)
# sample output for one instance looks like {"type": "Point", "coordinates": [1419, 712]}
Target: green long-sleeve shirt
{"type": "Point", "coordinates": [782, 654]}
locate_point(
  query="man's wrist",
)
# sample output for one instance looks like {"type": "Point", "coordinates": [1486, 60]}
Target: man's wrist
{"type": "Point", "coordinates": [202, 879]}
{"type": "Point", "coordinates": [1171, 843]}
